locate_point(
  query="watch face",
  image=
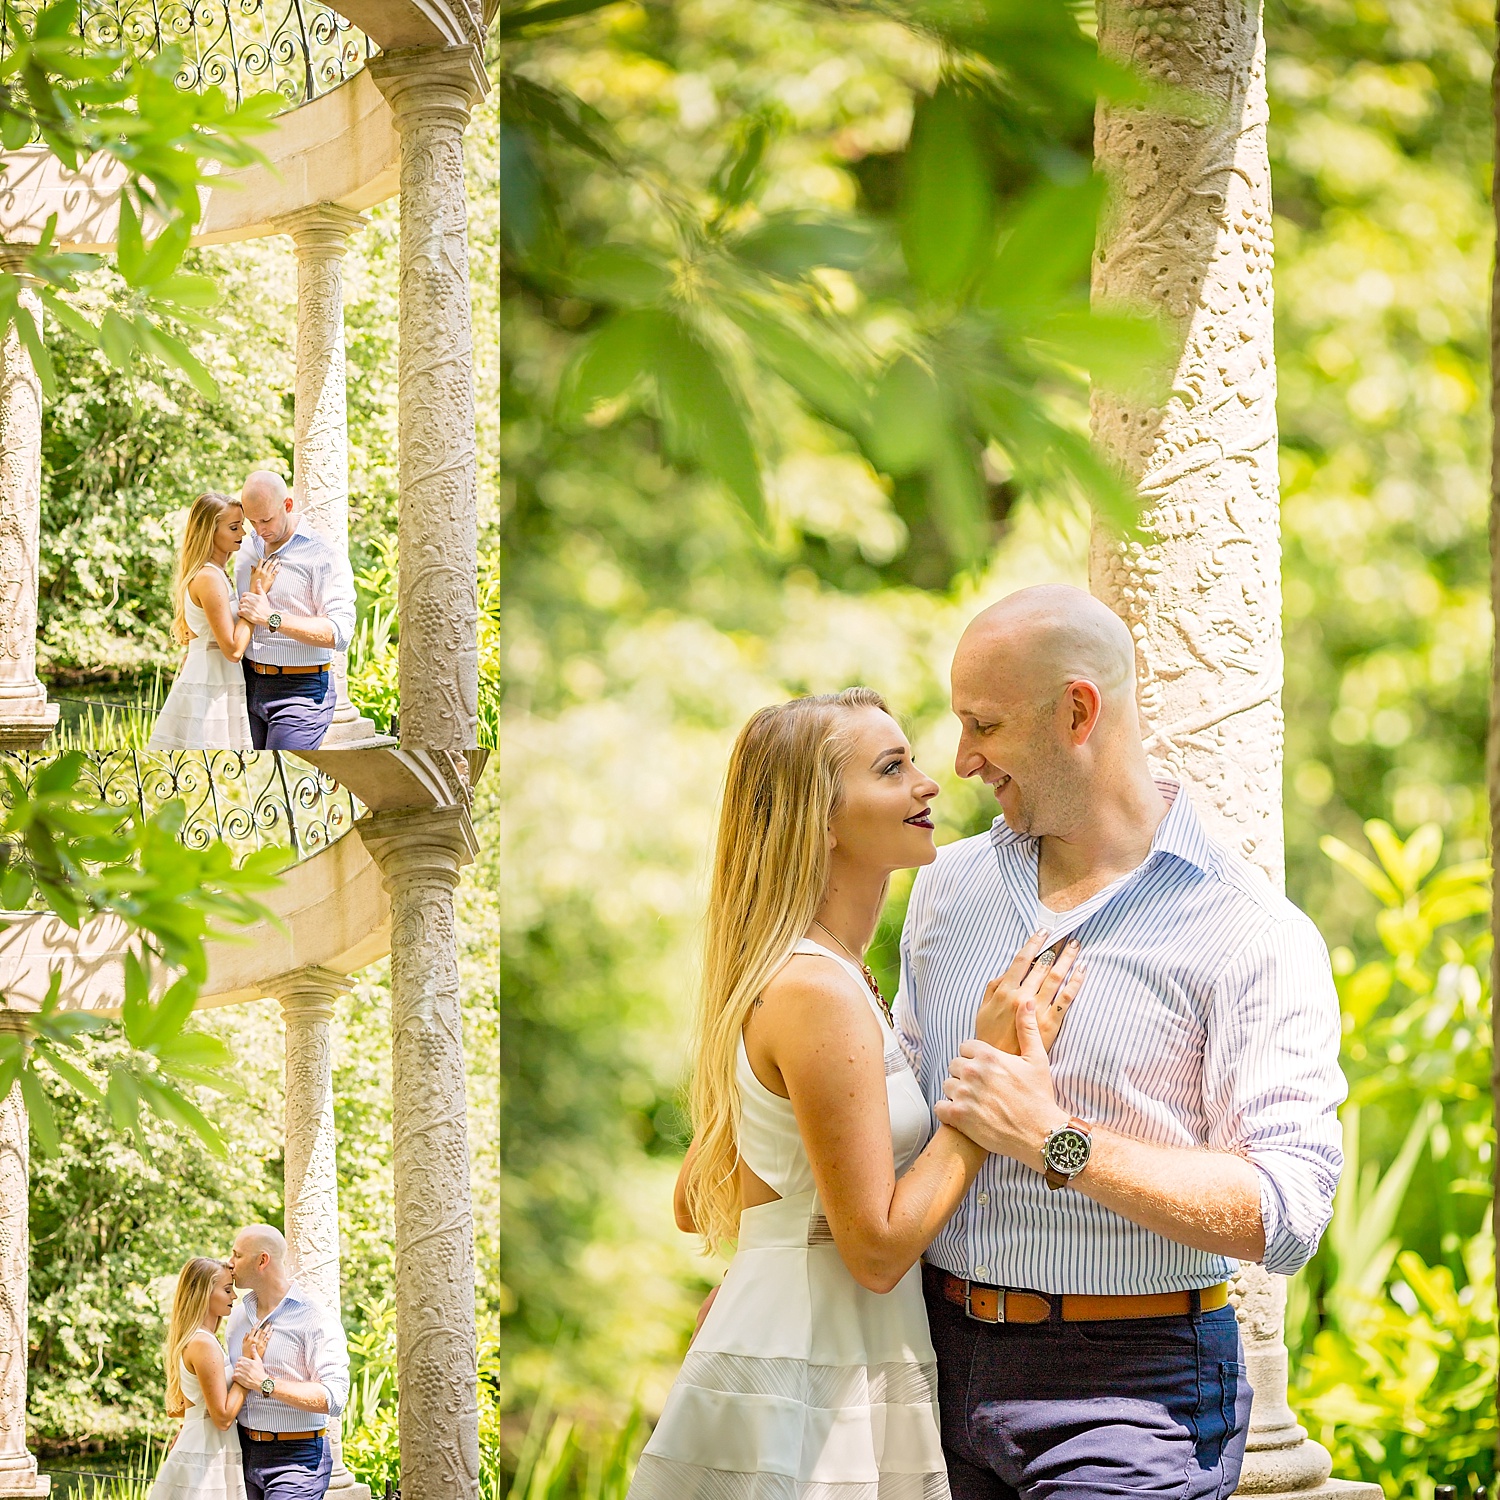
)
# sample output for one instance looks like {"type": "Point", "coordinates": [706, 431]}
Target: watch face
{"type": "Point", "coordinates": [267, 1386]}
{"type": "Point", "coordinates": [274, 621]}
{"type": "Point", "coordinates": [1067, 1151]}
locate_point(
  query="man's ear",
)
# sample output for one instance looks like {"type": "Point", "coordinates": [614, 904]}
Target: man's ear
{"type": "Point", "coordinates": [1085, 704]}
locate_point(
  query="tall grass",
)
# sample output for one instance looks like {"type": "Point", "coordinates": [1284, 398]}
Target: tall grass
{"type": "Point", "coordinates": [558, 1461]}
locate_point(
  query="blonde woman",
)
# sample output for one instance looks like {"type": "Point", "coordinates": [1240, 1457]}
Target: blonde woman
{"type": "Point", "coordinates": [813, 1145]}
{"type": "Point", "coordinates": [205, 1462]}
{"type": "Point", "coordinates": [206, 708]}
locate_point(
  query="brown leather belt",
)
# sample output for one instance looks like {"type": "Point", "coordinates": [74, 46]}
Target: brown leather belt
{"type": "Point", "coordinates": [281, 1437]}
{"type": "Point", "coordinates": [994, 1304]}
{"type": "Point", "coordinates": [265, 669]}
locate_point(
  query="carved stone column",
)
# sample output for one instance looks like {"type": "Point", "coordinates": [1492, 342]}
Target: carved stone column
{"type": "Point", "coordinates": [420, 854]}
{"type": "Point", "coordinates": [26, 717]}
{"type": "Point", "coordinates": [431, 91]}
{"type": "Point", "coordinates": [18, 1473]}
{"type": "Point", "coordinates": [1188, 232]}
{"type": "Point", "coordinates": [320, 412]}
{"type": "Point", "coordinates": [307, 998]}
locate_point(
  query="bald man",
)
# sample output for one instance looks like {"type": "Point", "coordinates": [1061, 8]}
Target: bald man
{"type": "Point", "coordinates": [1185, 1120]}
{"type": "Point", "coordinates": [297, 1385]}
{"type": "Point", "coordinates": [300, 622]}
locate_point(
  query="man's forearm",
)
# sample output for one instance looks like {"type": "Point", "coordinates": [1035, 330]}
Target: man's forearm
{"type": "Point", "coordinates": [309, 630]}
{"type": "Point", "coordinates": [1209, 1200]}
{"type": "Point", "coordinates": [305, 1395]}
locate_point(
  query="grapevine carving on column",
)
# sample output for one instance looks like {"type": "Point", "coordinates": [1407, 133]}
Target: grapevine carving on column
{"type": "Point", "coordinates": [26, 717]}
{"type": "Point", "coordinates": [18, 1473]}
{"type": "Point", "coordinates": [420, 855]}
{"type": "Point", "coordinates": [1187, 232]}
{"type": "Point", "coordinates": [320, 411]}
{"type": "Point", "coordinates": [431, 91]}
{"type": "Point", "coordinates": [307, 998]}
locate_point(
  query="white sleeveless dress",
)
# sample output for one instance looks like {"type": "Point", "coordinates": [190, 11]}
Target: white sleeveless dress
{"type": "Point", "coordinates": [802, 1384]}
{"type": "Point", "coordinates": [204, 1463]}
{"type": "Point", "coordinates": [206, 708]}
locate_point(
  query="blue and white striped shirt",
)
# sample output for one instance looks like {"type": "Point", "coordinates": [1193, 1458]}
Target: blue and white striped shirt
{"type": "Point", "coordinates": [315, 580]}
{"type": "Point", "coordinates": [307, 1343]}
{"type": "Point", "coordinates": [1208, 1018]}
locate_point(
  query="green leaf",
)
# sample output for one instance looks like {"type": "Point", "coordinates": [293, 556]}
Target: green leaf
{"type": "Point", "coordinates": [791, 245]}
{"type": "Point", "coordinates": [518, 21]}
{"type": "Point", "coordinates": [39, 1111]}
{"type": "Point", "coordinates": [828, 386]}
{"type": "Point", "coordinates": [118, 340]}
{"type": "Point", "coordinates": [171, 350]}
{"type": "Point", "coordinates": [15, 888]}
{"type": "Point", "coordinates": [621, 275]}
{"type": "Point", "coordinates": [1366, 873]}
{"type": "Point", "coordinates": [135, 1008]}
{"type": "Point", "coordinates": [740, 174]}
{"type": "Point", "coordinates": [609, 363]}
{"type": "Point", "coordinates": [171, 1104]}
{"type": "Point", "coordinates": [948, 206]}
{"type": "Point", "coordinates": [1046, 249]}
{"type": "Point", "coordinates": [703, 417]}
{"type": "Point", "coordinates": [906, 417]}
{"type": "Point", "coordinates": [130, 251]}
{"type": "Point", "coordinates": [15, 130]}
{"type": "Point", "coordinates": [123, 1101]}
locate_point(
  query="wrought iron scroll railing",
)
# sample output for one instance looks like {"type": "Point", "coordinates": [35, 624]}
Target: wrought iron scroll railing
{"type": "Point", "coordinates": [247, 799]}
{"type": "Point", "coordinates": [298, 48]}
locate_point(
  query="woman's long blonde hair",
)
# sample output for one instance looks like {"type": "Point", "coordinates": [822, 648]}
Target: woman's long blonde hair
{"type": "Point", "coordinates": [770, 873]}
{"type": "Point", "coordinates": [189, 1308]}
{"type": "Point", "coordinates": [196, 549]}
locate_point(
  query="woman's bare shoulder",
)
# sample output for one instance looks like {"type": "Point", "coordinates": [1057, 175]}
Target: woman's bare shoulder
{"type": "Point", "coordinates": [208, 580]}
{"type": "Point", "coordinates": [816, 995]}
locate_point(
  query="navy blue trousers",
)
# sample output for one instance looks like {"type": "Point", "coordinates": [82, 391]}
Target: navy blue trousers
{"type": "Point", "coordinates": [289, 713]}
{"type": "Point", "coordinates": [1150, 1406]}
{"type": "Point", "coordinates": [287, 1471]}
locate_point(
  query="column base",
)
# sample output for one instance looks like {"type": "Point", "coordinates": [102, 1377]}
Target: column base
{"type": "Point", "coordinates": [26, 724]}
{"type": "Point", "coordinates": [346, 1487]}
{"type": "Point", "coordinates": [18, 1476]}
{"type": "Point", "coordinates": [355, 732]}
{"type": "Point", "coordinates": [1344, 1489]}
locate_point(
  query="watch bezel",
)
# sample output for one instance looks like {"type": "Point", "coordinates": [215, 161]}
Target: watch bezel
{"type": "Point", "coordinates": [1068, 1134]}
{"type": "Point", "coordinates": [269, 1380]}
{"type": "Point", "coordinates": [273, 621]}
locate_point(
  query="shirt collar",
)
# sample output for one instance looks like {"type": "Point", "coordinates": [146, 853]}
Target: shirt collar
{"type": "Point", "coordinates": [1180, 834]}
{"type": "Point", "coordinates": [294, 1297]}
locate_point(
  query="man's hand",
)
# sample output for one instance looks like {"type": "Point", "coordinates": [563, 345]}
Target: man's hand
{"type": "Point", "coordinates": [255, 607]}
{"type": "Point", "coordinates": [1001, 1102]}
{"type": "Point", "coordinates": [249, 1372]}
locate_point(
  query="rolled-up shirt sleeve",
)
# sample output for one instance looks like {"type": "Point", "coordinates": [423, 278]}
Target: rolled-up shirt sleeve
{"type": "Point", "coordinates": [328, 1354]}
{"type": "Point", "coordinates": [338, 599]}
{"type": "Point", "coordinates": [1272, 1083]}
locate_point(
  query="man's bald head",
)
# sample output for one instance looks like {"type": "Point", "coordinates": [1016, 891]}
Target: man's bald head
{"type": "Point", "coordinates": [1039, 639]}
{"type": "Point", "coordinates": [262, 1239]}
{"type": "Point", "coordinates": [267, 505]}
{"type": "Point", "coordinates": [1044, 689]}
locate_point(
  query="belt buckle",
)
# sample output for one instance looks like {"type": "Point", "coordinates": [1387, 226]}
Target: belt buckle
{"type": "Point", "coordinates": [999, 1297]}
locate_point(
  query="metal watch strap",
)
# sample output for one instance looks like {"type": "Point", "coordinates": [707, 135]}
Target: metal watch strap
{"type": "Point", "coordinates": [1057, 1180]}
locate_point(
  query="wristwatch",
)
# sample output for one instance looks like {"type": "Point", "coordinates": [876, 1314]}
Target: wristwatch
{"type": "Point", "coordinates": [268, 1386]}
{"type": "Point", "coordinates": [1065, 1152]}
{"type": "Point", "coordinates": [273, 623]}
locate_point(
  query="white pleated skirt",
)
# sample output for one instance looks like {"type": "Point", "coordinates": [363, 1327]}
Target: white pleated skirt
{"type": "Point", "coordinates": [206, 708]}
{"type": "Point", "coordinates": [801, 1384]}
{"type": "Point", "coordinates": [204, 1463]}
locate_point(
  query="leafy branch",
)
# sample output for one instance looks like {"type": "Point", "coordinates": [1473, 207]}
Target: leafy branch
{"type": "Point", "coordinates": [162, 144]}
{"type": "Point", "coordinates": [63, 853]}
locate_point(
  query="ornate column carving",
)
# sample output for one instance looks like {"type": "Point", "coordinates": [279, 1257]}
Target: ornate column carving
{"type": "Point", "coordinates": [1188, 232]}
{"type": "Point", "coordinates": [431, 90]}
{"type": "Point", "coordinates": [18, 1473]}
{"type": "Point", "coordinates": [320, 411]}
{"type": "Point", "coordinates": [308, 996]}
{"type": "Point", "coordinates": [420, 854]}
{"type": "Point", "coordinates": [26, 717]}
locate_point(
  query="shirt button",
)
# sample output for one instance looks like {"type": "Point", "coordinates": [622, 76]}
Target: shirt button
{"type": "Point", "coordinates": [980, 1272]}
{"type": "Point", "coordinates": [983, 1198]}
